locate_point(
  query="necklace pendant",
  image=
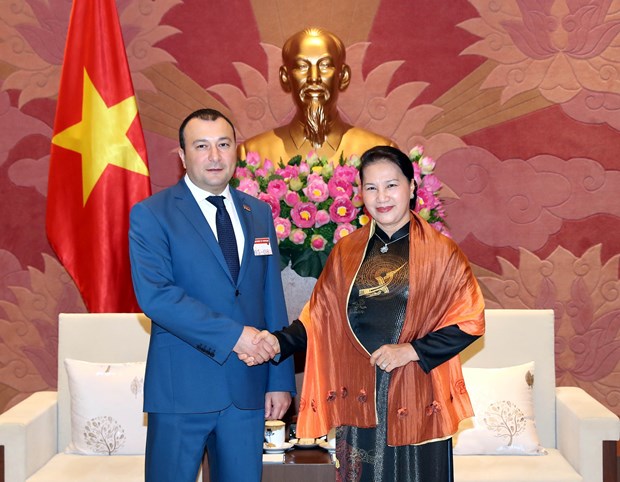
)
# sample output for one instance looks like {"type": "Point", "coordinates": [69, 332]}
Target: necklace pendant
{"type": "Point", "coordinates": [384, 249]}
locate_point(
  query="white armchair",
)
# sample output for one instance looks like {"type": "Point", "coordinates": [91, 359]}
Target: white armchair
{"type": "Point", "coordinates": [572, 426]}
{"type": "Point", "coordinates": [36, 431]}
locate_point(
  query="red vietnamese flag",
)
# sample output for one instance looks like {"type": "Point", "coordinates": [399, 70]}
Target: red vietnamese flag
{"type": "Point", "coordinates": [98, 164]}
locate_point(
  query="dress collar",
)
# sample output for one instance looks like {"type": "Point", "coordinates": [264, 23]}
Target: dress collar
{"type": "Point", "coordinates": [398, 234]}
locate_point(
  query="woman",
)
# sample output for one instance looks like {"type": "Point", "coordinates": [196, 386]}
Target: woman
{"type": "Point", "coordinates": [394, 304]}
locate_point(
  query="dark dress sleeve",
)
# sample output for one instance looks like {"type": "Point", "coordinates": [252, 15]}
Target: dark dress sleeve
{"type": "Point", "coordinates": [441, 345]}
{"type": "Point", "coordinates": [292, 338]}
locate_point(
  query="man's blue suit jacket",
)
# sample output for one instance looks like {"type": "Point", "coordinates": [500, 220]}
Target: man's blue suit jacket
{"type": "Point", "coordinates": [183, 285]}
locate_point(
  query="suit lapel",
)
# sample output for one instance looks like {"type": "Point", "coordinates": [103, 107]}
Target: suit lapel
{"type": "Point", "coordinates": [191, 211]}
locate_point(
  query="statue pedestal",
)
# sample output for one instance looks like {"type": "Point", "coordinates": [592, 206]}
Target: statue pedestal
{"type": "Point", "coordinates": [297, 291]}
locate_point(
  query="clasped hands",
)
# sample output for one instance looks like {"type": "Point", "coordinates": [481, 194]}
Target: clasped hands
{"type": "Point", "coordinates": [255, 347]}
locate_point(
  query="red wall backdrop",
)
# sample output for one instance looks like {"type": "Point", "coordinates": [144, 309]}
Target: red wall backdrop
{"type": "Point", "coordinates": [518, 102]}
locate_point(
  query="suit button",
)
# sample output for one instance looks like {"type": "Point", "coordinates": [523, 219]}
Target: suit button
{"type": "Point", "coordinates": [237, 293]}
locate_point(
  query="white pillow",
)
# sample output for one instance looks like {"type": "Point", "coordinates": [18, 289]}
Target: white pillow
{"type": "Point", "coordinates": [504, 422]}
{"type": "Point", "coordinates": [106, 408]}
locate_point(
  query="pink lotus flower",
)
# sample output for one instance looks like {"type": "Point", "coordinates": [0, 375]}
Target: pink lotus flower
{"type": "Point", "coordinates": [283, 228]}
{"type": "Point", "coordinates": [252, 159]}
{"type": "Point", "coordinates": [318, 242]}
{"type": "Point", "coordinates": [355, 161]}
{"type": "Point", "coordinates": [249, 186]}
{"type": "Point", "coordinates": [291, 198]}
{"type": "Point", "coordinates": [431, 183]}
{"type": "Point", "coordinates": [304, 169]}
{"type": "Point", "coordinates": [425, 213]}
{"type": "Point", "coordinates": [348, 173]}
{"type": "Point", "coordinates": [426, 165]}
{"type": "Point", "coordinates": [303, 215]}
{"type": "Point", "coordinates": [321, 218]}
{"type": "Point", "coordinates": [312, 158]}
{"type": "Point", "coordinates": [416, 151]}
{"type": "Point", "coordinates": [274, 204]}
{"type": "Point", "coordinates": [342, 210]}
{"type": "Point", "coordinates": [242, 172]}
{"type": "Point", "coordinates": [313, 177]}
{"type": "Point", "coordinates": [339, 187]}
{"type": "Point", "coordinates": [317, 190]}
{"type": "Point", "coordinates": [417, 174]}
{"type": "Point", "coordinates": [268, 165]}
{"type": "Point", "coordinates": [427, 199]}
{"type": "Point", "coordinates": [297, 236]}
{"type": "Point", "coordinates": [357, 200]}
{"type": "Point", "coordinates": [295, 184]}
{"type": "Point", "coordinates": [343, 230]}
{"type": "Point", "coordinates": [327, 170]}
{"type": "Point", "coordinates": [261, 172]}
{"type": "Point", "coordinates": [288, 172]}
{"type": "Point", "coordinates": [277, 188]}
{"type": "Point", "coordinates": [441, 228]}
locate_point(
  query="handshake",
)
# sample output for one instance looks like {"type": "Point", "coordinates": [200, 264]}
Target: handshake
{"type": "Point", "coordinates": [255, 347]}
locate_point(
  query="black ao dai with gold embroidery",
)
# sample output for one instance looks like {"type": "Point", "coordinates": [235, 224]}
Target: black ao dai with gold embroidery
{"type": "Point", "coordinates": [376, 311]}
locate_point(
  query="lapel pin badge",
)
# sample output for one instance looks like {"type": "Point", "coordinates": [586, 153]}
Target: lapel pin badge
{"type": "Point", "coordinates": [246, 207]}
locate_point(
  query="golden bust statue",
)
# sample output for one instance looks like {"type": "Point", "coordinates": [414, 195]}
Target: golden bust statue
{"type": "Point", "coordinates": [314, 71]}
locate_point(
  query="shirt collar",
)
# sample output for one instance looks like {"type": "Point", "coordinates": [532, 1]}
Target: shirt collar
{"type": "Point", "coordinates": [200, 194]}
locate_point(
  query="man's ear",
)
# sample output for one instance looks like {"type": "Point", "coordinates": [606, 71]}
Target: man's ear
{"type": "Point", "coordinates": [345, 77]}
{"type": "Point", "coordinates": [182, 156]}
{"type": "Point", "coordinates": [284, 80]}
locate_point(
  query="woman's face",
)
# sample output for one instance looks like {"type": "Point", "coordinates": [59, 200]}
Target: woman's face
{"type": "Point", "coordinates": [386, 193]}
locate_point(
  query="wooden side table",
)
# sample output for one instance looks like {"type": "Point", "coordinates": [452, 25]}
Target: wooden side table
{"type": "Point", "coordinates": [300, 465]}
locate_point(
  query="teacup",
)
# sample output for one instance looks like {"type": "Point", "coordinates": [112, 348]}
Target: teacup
{"type": "Point", "coordinates": [331, 437]}
{"type": "Point", "coordinates": [274, 433]}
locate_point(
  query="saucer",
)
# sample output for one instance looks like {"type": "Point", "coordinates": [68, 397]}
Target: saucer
{"type": "Point", "coordinates": [277, 450]}
{"type": "Point", "coordinates": [311, 445]}
{"type": "Point", "coordinates": [329, 448]}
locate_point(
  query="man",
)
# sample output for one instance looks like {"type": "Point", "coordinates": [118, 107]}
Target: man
{"type": "Point", "coordinates": [206, 308]}
{"type": "Point", "coordinates": [314, 71]}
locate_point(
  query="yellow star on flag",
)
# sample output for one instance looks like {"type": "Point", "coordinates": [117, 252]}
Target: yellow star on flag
{"type": "Point", "coordinates": [101, 137]}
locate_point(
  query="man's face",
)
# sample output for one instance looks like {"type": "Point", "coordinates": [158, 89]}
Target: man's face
{"type": "Point", "coordinates": [210, 155]}
{"type": "Point", "coordinates": [313, 72]}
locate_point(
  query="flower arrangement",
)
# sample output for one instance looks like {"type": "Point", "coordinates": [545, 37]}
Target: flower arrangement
{"type": "Point", "coordinates": [316, 202]}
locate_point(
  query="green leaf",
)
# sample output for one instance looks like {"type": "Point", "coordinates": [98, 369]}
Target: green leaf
{"type": "Point", "coordinates": [295, 161]}
{"type": "Point", "coordinates": [308, 263]}
{"type": "Point", "coordinates": [285, 258]}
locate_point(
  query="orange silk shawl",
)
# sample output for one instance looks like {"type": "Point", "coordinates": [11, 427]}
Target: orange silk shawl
{"type": "Point", "coordinates": [339, 382]}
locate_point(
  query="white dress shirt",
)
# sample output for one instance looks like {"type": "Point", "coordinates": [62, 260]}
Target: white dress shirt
{"type": "Point", "coordinates": [209, 211]}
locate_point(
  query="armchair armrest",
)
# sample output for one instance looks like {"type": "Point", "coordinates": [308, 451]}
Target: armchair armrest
{"type": "Point", "coordinates": [582, 425]}
{"type": "Point", "coordinates": [28, 432]}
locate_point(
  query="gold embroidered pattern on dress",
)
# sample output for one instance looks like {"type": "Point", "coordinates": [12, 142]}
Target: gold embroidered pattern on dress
{"type": "Point", "coordinates": [383, 283]}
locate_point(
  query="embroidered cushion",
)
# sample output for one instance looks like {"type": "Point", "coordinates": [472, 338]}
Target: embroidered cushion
{"type": "Point", "coordinates": [106, 408]}
{"type": "Point", "coordinates": [504, 422]}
